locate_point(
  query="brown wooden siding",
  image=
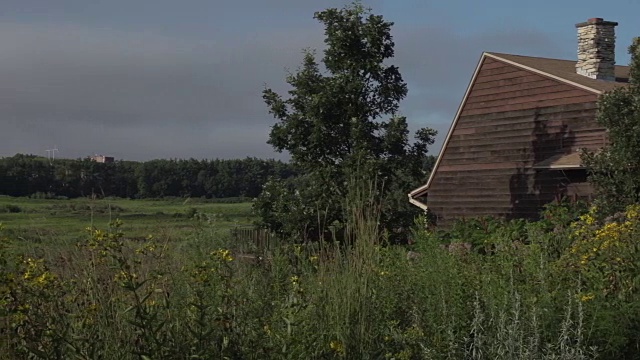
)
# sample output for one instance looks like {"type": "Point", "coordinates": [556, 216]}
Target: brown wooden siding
{"type": "Point", "coordinates": [511, 120]}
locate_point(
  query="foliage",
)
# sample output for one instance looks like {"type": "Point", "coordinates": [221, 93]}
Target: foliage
{"type": "Point", "coordinates": [561, 288]}
{"type": "Point", "coordinates": [474, 231]}
{"type": "Point", "coordinates": [555, 229]}
{"type": "Point", "coordinates": [332, 124]}
{"type": "Point", "coordinates": [606, 251]}
{"type": "Point", "coordinates": [615, 170]}
{"type": "Point", "coordinates": [604, 257]}
{"type": "Point", "coordinates": [28, 175]}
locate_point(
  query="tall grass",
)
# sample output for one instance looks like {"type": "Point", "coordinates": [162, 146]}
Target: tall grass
{"type": "Point", "coordinates": [113, 298]}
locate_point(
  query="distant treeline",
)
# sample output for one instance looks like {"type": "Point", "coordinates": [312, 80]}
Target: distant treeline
{"type": "Point", "coordinates": [25, 175]}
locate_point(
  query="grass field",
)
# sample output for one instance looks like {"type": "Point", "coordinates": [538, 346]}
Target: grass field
{"type": "Point", "coordinates": [65, 221]}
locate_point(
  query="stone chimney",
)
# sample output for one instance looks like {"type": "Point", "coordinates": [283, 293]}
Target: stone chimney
{"type": "Point", "coordinates": [596, 49]}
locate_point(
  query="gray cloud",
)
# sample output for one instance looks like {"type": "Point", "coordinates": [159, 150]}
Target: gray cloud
{"type": "Point", "coordinates": [123, 77]}
{"type": "Point", "coordinates": [140, 94]}
{"type": "Point", "coordinates": [72, 81]}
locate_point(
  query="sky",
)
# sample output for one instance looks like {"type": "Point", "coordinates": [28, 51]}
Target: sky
{"type": "Point", "coordinates": [148, 79]}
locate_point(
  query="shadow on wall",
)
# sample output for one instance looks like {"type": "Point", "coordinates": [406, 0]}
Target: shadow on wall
{"type": "Point", "coordinates": [531, 188]}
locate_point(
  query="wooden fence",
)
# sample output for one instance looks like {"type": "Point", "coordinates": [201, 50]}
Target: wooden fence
{"type": "Point", "coordinates": [253, 238]}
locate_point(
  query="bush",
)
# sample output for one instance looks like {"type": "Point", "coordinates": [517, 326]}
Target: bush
{"type": "Point", "coordinates": [47, 196]}
{"type": "Point", "coordinates": [10, 208]}
{"type": "Point", "coordinates": [190, 212]}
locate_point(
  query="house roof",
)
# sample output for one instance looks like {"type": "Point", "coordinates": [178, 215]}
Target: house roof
{"type": "Point", "coordinates": [557, 69]}
{"type": "Point", "coordinates": [565, 70]}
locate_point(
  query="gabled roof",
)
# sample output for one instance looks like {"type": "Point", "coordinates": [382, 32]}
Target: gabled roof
{"type": "Point", "coordinates": [564, 70]}
{"type": "Point", "coordinates": [560, 70]}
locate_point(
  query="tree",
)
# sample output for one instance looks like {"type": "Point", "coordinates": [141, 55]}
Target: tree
{"type": "Point", "coordinates": [614, 171]}
{"type": "Point", "coordinates": [332, 124]}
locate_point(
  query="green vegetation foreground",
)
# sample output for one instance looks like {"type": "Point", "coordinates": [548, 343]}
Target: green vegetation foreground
{"type": "Point", "coordinates": [555, 289]}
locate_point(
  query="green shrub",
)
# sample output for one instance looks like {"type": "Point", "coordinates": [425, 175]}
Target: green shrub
{"type": "Point", "coordinates": [190, 212]}
{"type": "Point", "coordinates": [10, 208]}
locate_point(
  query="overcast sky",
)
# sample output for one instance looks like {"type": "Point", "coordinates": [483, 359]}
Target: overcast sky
{"type": "Point", "coordinates": [145, 79]}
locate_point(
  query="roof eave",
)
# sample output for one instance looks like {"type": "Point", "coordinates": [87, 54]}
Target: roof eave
{"type": "Point", "coordinates": [418, 203]}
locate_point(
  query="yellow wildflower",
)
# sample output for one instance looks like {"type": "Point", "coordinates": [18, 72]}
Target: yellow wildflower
{"type": "Point", "coordinates": [45, 278]}
{"type": "Point", "coordinates": [588, 219]}
{"type": "Point", "coordinates": [337, 346]}
{"type": "Point", "coordinates": [587, 297]}
{"type": "Point", "coordinates": [223, 254]}
{"type": "Point", "coordinates": [633, 212]}
{"type": "Point", "coordinates": [122, 277]}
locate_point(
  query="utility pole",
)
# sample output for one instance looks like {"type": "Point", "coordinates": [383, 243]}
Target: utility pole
{"type": "Point", "coordinates": [55, 148]}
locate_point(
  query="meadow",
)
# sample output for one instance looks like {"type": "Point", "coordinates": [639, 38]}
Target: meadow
{"type": "Point", "coordinates": [63, 221]}
{"type": "Point", "coordinates": [171, 284]}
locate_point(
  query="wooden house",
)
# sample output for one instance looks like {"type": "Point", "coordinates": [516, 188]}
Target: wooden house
{"type": "Point", "coordinates": [514, 143]}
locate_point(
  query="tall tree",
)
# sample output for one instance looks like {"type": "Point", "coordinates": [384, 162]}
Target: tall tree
{"type": "Point", "coordinates": [339, 119]}
{"type": "Point", "coordinates": [615, 170]}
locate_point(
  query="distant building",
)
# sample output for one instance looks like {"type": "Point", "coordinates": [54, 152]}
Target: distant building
{"type": "Point", "coordinates": [102, 158]}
